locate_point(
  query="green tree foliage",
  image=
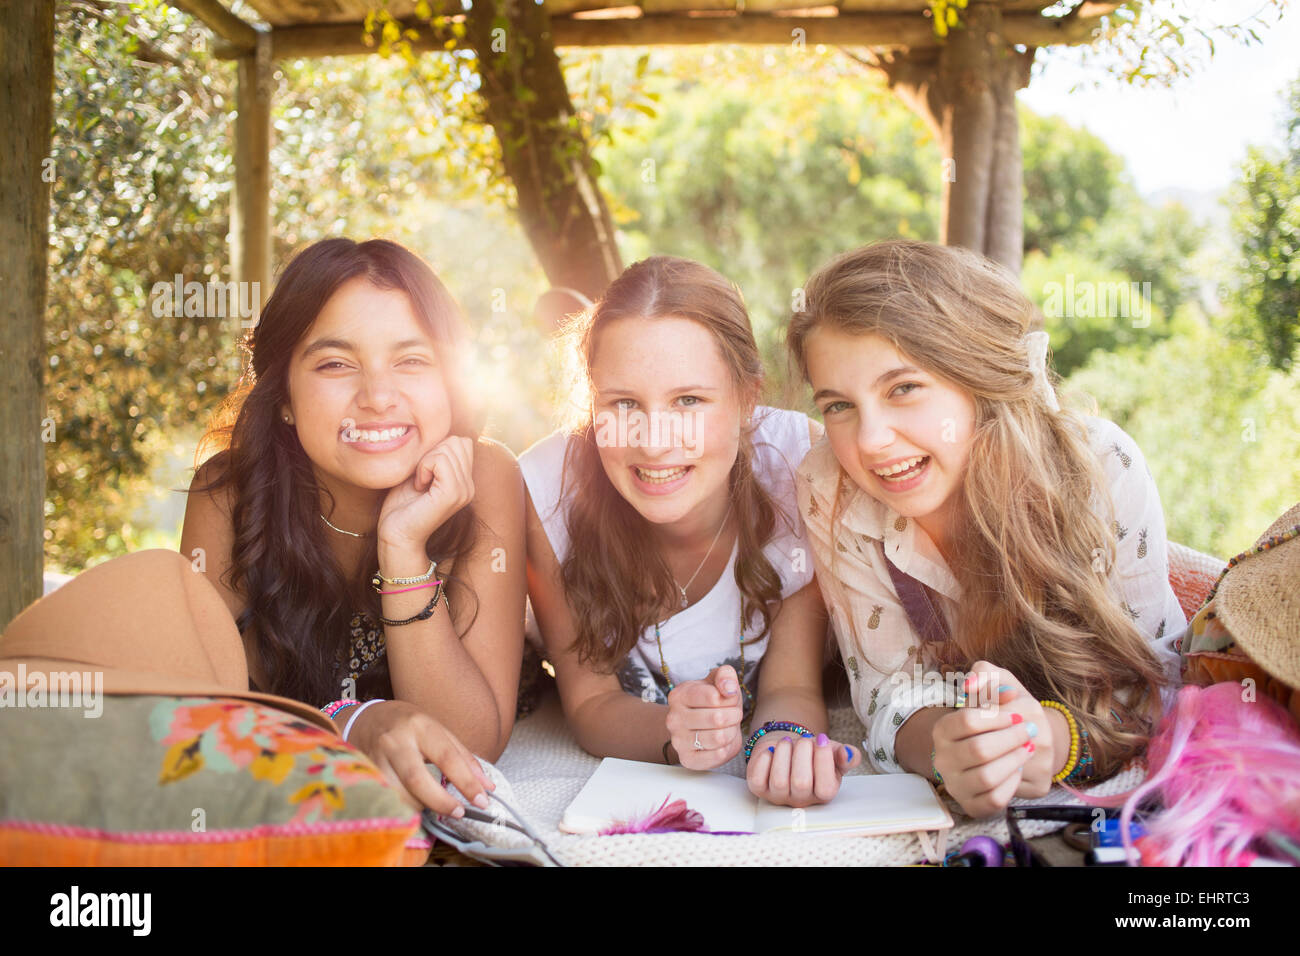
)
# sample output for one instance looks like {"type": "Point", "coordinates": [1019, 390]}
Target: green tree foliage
{"type": "Point", "coordinates": [1266, 221]}
{"type": "Point", "coordinates": [1071, 179]}
{"type": "Point", "coordinates": [770, 162]}
{"type": "Point", "coordinates": [1218, 428]}
{"type": "Point", "coordinates": [138, 197]}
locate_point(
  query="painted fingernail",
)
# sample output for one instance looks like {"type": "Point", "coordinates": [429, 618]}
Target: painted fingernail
{"type": "Point", "coordinates": [1016, 718]}
{"type": "Point", "coordinates": [849, 751]}
{"type": "Point", "coordinates": [771, 750]}
{"type": "Point", "coordinates": [1003, 688]}
{"type": "Point", "coordinates": [822, 740]}
{"type": "Point", "coordinates": [1031, 728]}
{"type": "Point", "coordinates": [1030, 747]}
{"type": "Point", "coordinates": [787, 739]}
{"type": "Point", "coordinates": [970, 680]}
{"type": "Point", "coordinates": [458, 812]}
{"type": "Point", "coordinates": [805, 736]}
{"type": "Point", "coordinates": [481, 801]}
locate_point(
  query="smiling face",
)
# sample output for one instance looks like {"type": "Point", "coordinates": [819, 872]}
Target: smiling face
{"type": "Point", "coordinates": [902, 434]}
{"type": "Point", "coordinates": [667, 416]}
{"type": "Point", "coordinates": [366, 390]}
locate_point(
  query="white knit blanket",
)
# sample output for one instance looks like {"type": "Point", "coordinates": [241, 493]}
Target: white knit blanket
{"type": "Point", "coordinates": [546, 768]}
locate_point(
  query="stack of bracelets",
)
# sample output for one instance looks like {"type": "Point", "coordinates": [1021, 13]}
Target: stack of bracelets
{"type": "Point", "coordinates": [1079, 766]}
{"type": "Point", "coordinates": [424, 580]}
{"type": "Point", "coordinates": [336, 707]}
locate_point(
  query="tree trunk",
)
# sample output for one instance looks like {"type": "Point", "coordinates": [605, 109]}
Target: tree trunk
{"type": "Point", "coordinates": [966, 92]}
{"type": "Point", "coordinates": [545, 155]}
{"type": "Point", "coordinates": [26, 114]}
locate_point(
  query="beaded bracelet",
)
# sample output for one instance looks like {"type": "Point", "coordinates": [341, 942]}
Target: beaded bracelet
{"type": "Point", "coordinates": [422, 616]}
{"type": "Point", "coordinates": [377, 580]}
{"type": "Point", "coordinates": [334, 706]}
{"type": "Point", "coordinates": [771, 725]}
{"type": "Point", "coordinates": [1086, 769]}
{"type": "Point", "coordinates": [1071, 761]}
{"type": "Point", "coordinates": [938, 777]}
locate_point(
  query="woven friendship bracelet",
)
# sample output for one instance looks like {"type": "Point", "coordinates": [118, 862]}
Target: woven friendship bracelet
{"type": "Point", "coordinates": [770, 726]}
{"type": "Point", "coordinates": [423, 615]}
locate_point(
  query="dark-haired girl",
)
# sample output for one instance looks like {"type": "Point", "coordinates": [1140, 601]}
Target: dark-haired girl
{"type": "Point", "coordinates": [666, 557]}
{"type": "Point", "coordinates": [368, 542]}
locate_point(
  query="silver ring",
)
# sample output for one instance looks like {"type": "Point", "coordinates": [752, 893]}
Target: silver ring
{"type": "Point", "coordinates": [698, 745]}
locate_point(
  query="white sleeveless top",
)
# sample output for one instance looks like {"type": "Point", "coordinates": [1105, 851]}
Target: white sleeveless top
{"type": "Point", "coordinates": [706, 634]}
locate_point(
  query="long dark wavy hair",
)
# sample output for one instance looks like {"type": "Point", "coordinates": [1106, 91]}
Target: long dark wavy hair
{"type": "Point", "coordinates": [300, 602]}
{"type": "Point", "coordinates": [615, 588]}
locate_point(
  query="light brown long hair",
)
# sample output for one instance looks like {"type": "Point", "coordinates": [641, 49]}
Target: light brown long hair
{"type": "Point", "coordinates": [1026, 541]}
{"type": "Point", "coordinates": [616, 589]}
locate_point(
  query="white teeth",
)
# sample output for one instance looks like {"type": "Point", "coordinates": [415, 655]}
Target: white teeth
{"type": "Point", "coordinates": [657, 476]}
{"type": "Point", "coordinates": [900, 468]}
{"type": "Point", "coordinates": [374, 437]}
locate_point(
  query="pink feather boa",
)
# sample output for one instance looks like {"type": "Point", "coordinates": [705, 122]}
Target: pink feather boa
{"type": "Point", "coordinates": [1227, 770]}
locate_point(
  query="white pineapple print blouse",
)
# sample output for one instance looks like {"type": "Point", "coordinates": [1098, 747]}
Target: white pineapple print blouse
{"type": "Point", "coordinates": [880, 650]}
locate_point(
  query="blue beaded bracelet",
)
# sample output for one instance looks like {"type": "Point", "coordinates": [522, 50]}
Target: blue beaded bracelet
{"type": "Point", "coordinates": [771, 725]}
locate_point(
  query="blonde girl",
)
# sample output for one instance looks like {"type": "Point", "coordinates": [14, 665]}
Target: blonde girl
{"type": "Point", "coordinates": [964, 524]}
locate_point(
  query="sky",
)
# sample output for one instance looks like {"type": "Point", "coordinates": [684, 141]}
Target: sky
{"type": "Point", "coordinates": [1193, 136]}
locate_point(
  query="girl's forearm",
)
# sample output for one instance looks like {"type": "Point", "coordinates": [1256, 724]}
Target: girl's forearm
{"type": "Point", "coordinates": [616, 724]}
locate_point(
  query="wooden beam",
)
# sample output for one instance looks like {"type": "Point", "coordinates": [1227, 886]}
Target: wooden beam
{"type": "Point", "coordinates": [240, 37]}
{"type": "Point", "coordinates": [907, 31]}
{"type": "Point", "coordinates": [250, 211]}
{"type": "Point", "coordinates": [26, 171]}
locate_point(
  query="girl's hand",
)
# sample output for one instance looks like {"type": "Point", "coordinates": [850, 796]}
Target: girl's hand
{"type": "Point", "coordinates": [981, 752]}
{"type": "Point", "coordinates": [1011, 697]}
{"type": "Point", "coordinates": [709, 711]}
{"type": "Point", "coordinates": [798, 771]}
{"type": "Point", "coordinates": [441, 485]}
{"type": "Point", "coordinates": [401, 739]}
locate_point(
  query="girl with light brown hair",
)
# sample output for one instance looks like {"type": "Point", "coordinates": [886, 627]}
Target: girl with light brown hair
{"type": "Point", "coordinates": [666, 557]}
{"type": "Point", "coordinates": [964, 524]}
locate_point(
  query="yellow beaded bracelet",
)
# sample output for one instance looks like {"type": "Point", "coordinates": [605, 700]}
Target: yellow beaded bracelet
{"type": "Point", "coordinates": [1073, 758]}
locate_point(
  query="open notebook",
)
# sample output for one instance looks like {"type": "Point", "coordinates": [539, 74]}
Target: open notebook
{"type": "Point", "coordinates": [867, 805]}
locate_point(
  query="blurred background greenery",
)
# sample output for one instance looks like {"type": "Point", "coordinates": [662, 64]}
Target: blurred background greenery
{"type": "Point", "coordinates": [758, 167]}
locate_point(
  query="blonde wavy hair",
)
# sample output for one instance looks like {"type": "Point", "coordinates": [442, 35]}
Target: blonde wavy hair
{"type": "Point", "coordinates": [1035, 514]}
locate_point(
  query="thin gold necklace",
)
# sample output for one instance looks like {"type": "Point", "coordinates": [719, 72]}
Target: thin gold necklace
{"type": "Point", "coordinates": [686, 602]}
{"type": "Point", "coordinates": [351, 534]}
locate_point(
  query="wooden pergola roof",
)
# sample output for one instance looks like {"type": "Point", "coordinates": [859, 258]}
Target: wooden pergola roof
{"type": "Point", "coordinates": [335, 27]}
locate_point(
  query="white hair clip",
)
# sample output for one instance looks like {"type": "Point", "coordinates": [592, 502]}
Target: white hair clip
{"type": "Point", "coordinates": [1036, 346]}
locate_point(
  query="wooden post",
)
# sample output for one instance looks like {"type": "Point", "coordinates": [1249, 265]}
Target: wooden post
{"type": "Point", "coordinates": [26, 171]}
{"type": "Point", "coordinates": [250, 212]}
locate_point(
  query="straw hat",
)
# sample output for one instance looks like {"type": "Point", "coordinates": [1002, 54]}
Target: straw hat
{"type": "Point", "coordinates": [150, 623]}
{"type": "Point", "coordinates": [1258, 600]}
